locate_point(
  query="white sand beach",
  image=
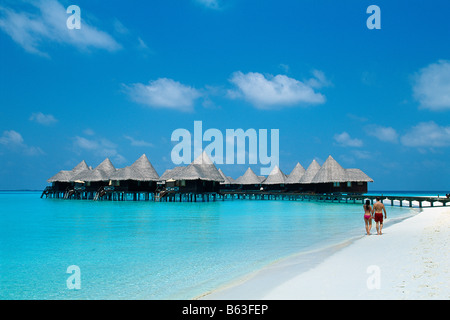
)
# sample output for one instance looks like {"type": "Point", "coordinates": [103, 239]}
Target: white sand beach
{"type": "Point", "coordinates": [410, 260]}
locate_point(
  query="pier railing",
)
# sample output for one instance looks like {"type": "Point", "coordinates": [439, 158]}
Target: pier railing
{"type": "Point", "coordinates": [172, 195]}
{"type": "Point", "coordinates": [340, 198]}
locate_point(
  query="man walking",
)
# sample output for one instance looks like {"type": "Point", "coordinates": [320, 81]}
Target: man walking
{"type": "Point", "coordinates": [378, 209]}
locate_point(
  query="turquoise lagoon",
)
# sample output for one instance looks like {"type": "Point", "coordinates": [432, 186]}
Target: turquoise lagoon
{"type": "Point", "coordinates": [149, 250]}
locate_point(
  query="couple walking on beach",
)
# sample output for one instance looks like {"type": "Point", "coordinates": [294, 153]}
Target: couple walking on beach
{"type": "Point", "coordinates": [375, 213]}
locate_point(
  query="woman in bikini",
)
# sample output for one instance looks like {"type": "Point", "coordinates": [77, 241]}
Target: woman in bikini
{"type": "Point", "coordinates": [368, 216]}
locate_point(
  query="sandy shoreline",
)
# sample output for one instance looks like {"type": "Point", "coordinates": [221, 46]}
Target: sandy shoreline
{"type": "Point", "coordinates": [410, 260]}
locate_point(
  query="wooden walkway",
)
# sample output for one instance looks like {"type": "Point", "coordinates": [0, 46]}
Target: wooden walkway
{"type": "Point", "coordinates": [174, 196]}
{"type": "Point", "coordinates": [338, 198]}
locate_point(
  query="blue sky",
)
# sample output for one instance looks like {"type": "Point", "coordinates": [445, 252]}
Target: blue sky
{"type": "Point", "coordinates": [378, 100]}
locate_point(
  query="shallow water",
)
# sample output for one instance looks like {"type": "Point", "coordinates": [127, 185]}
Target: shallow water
{"type": "Point", "coordinates": [149, 250]}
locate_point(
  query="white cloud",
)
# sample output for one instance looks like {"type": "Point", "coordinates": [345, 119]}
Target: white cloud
{"type": "Point", "coordinates": [120, 28]}
{"type": "Point", "coordinates": [345, 140]}
{"type": "Point", "coordinates": [360, 154]}
{"type": "Point", "coordinates": [87, 144]}
{"type": "Point", "coordinates": [89, 132]}
{"type": "Point", "coordinates": [427, 134]}
{"type": "Point", "coordinates": [13, 140]}
{"type": "Point", "coordinates": [11, 137]}
{"type": "Point", "coordinates": [47, 23]}
{"type": "Point", "coordinates": [273, 91]}
{"type": "Point", "coordinates": [352, 156]}
{"type": "Point", "coordinates": [44, 119]}
{"type": "Point", "coordinates": [357, 117]}
{"type": "Point", "coordinates": [432, 86]}
{"type": "Point", "coordinates": [212, 4]}
{"type": "Point", "coordinates": [284, 67]}
{"type": "Point", "coordinates": [142, 43]}
{"type": "Point", "coordinates": [319, 80]}
{"type": "Point", "coordinates": [387, 134]}
{"type": "Point", "coordinates": [100, 147]}
{"type": "Point", "coordinates": [164, 93]}
{"type": "Point", "coordinates": [138, 143]}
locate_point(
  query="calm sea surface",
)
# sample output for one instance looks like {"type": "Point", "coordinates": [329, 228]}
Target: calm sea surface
{"type": "Point", "coordinates": [148, 250]}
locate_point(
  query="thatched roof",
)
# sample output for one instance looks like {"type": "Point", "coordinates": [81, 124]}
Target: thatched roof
{"type": "Point", "coordinates": [81, 166]}
{"type": "Point", "coordinates": [62, 176]}
{"type": "Point", "coordinates": [232, 181]}
{"type": "Point", "coordinates": [249, 177]}
{"type": "Point", "coordinates": [203, 159]}
{"type": "Point", "coordinates": [169, 173]}
{"type": "Point", "coordinates": [102, 172]}
{"type": "Point", "coordinates": [140, 170]}
{"type": "Point", "coordinates": [276, 176]}
{"type": "Point", "coordinates": [67, 175]}
{"type": "Point", "coordinates": [226, 180]}
{"type": "Point", "coordinates": [127, 173]}
{"type": "Point", "coordinates": [312, 170]}
{"type": "Point", "coordinates": [331, 171]}
{"type": "Point", "coordinates": [356, 175]}
{"type": "Point", "coordinates": [201, 168]}
{"type": "Point", "coordinates": [296, 174]}
{"type": "Point", "coordinates": [144, 166]}
{"type": "Point", "coordinates": [191, 172]}
{"type": "Point", "coordinates": [204, 169]}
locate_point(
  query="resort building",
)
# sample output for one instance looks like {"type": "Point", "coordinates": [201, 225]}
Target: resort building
{"type": "Point", "coordinates": [201, 176]}
{"type": "Point", "coordinates": [82, 182]}
{"type": "Point", "coordinates": [249, 181]}
{"type": "Point", "coordinates": [228, 182]}
{"type": "Point", "coordinates": [139, 177]}
{"type": "Point", "coordinates": [292, 181]}
{"type": "Point", "coordinates": [202, 179]}
{"type": "Point", "coordinates": [332, 178]}
{"type": "Point", "coordinates": [88, 182]}
{"type": "Point", "coordinates": [357, 181]}
{"type": "Point", "coordinates": [276, 180]}
{"type": "Point", "coordinates": [63, 180]}
{"type": "Point", "coordinates": [305, 181]}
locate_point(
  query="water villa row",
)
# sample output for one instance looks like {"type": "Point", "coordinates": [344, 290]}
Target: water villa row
{"type": "Point", "coordinates": [201, 181]}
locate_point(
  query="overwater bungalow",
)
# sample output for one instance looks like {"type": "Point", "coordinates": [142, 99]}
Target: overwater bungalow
{"type": "Point", "coordinates": [202, 179]}
{"type": "Point", "coordinates": [63, 180]}
{"type": "Point", "coordinates": [357, 181]}
{"type": "Point", "coordinates": [333, 178]}
{"type": "Point", "coordinates": [275, 181]}
{"type": "Point", "coordinates": [201, 176]}
{"type": "Point", "coordinates": [139, 177]}
{"type": "Point", "coordinates": [292, 181]}
{"type": "Point", "coordinates": [228, 182]}
{"type": "Point", "coordinates": [249, 181]}
{"type": "Point", "coordinates": [97, 178]}
{"type": "Point", "coordinates": [168, 174]}
{"type": "Point", "coordinates": [306, 179]}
